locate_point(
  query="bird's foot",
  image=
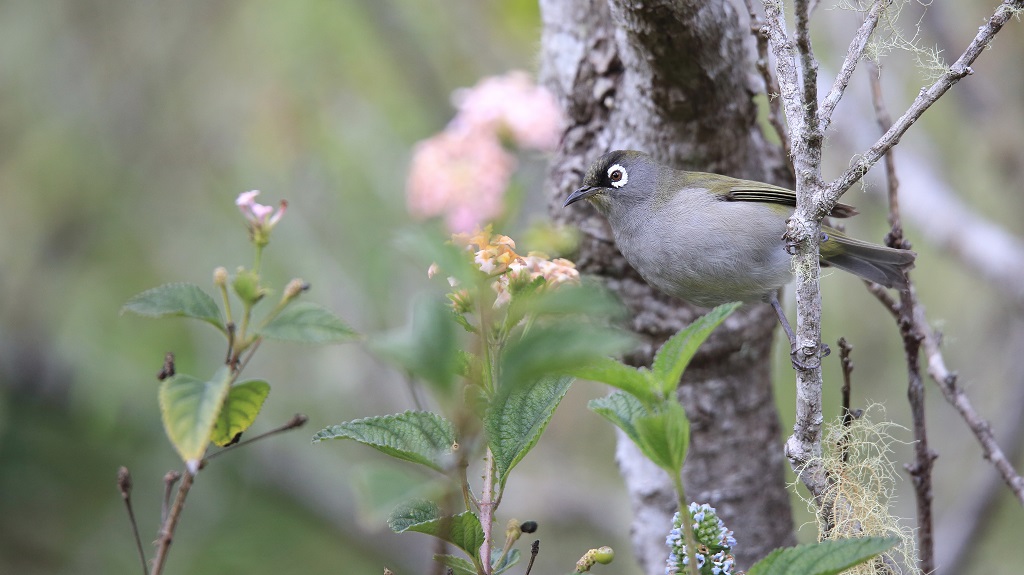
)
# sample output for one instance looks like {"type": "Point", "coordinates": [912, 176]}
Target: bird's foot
{"type": "Point", "coordinates": [812, 362]}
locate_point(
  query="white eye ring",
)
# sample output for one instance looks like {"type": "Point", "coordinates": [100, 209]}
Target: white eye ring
{"type": "Point", "coordinates": [618, 176]}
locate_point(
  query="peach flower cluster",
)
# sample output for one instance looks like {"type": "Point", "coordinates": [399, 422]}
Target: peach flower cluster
{"type": "Point", "coordinates": [495, 255]}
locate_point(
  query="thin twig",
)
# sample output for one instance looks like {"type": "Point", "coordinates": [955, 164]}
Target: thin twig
{"type": "Point", "coordinates": [124, 485]}
{"type": "Point", "coordinates": [534, 550]}
{"type": "Point", "coordinates": [297, 420]}
{"type": "Point", "coordinates": [771, 86]}
{"type": "Point", "coordinates": [928, 96]}
{"type": "Point", "coordinates": [846, 363]}
{"type": "Point", "coordinates": [947, 381]}
{"type": "Point", "coordinates": [166, 536]}
{"type": "Point", "coordinates": [853, 55]}
{"type": "Point", "coordinates": [170, 478]}
{"type": "Point", "coordinates": [921, 469]}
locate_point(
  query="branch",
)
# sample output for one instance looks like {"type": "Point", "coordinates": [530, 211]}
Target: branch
{"type": "Point", "coordinates": [960, 69]}
{"type": "Point", "coordinates": [924, 458]}
{"type": "Point", "coordinates": [166, 536]}
{"type": "Point", "coordinates": [853, 56]}
{"type": "Point", "coordinates": [948, 383]}
{"type": "Point", "coordinates": [803, 448]}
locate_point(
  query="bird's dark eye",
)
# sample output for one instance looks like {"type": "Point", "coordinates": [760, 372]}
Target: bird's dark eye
{"type": "Point", "coordinates": [618, 176]}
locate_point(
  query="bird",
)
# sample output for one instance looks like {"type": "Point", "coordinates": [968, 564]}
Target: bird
{"type": "Point", "coordinates": [710, 239]}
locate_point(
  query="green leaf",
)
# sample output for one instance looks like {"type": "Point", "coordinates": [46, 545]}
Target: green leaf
{"type": "Point", "coordinates": [190, 407]}
{"type": "Point", "coordinates": [458, 565]}
{"type": "Point", "coordinates": [665, 436]}
{"type": "Point", "coordinates": [637, 382]}
{"type": "Point", "coordinates": [549, 348]}
{"type": "Point", "coordinates": [462, 530]}
{"type": "Point", "coordinates": [428, 348]}
{"type": "Point", "coordinates": [413, 512]}
{"type": "Point", "coordinates": [517, 417]}
{"type": "Point", "coordinates": [307, 322]}
{"type": "Point", "coordinates": [673, 357]}
{"type": "Point", "coordinates": [240, 409]}
{"type": "Point", "coordinates": [824, 558]}
{"type": "Point", "coordinates": [622, 409]}
{"type": "Point", "coordinates": [178, 299]}
{"type": "Point", "coordinates": [417, 436]}
{"type": "Point", "coordinates": [585, 300]}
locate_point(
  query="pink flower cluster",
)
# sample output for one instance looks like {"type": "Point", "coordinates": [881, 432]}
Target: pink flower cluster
{"type": "Point", "coordinates": [462, 172]}
{"type": "Point", "coordinates": [259, 219]}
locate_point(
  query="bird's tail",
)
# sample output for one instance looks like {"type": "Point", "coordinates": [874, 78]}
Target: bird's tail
{"type": "Point", "coordinates": [879, 264]}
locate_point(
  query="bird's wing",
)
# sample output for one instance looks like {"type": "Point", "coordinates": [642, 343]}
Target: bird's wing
{"type": "Point", "coordinates": [750, 191]}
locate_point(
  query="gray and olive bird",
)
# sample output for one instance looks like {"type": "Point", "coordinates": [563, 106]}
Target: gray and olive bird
{"type": "Point", "coordinates": [709, 239]}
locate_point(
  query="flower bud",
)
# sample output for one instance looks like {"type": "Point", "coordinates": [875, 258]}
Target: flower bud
{"type": "Point", "coordinates": [294, 288]}
{"type": "Point", "coordinates": [220, 276]}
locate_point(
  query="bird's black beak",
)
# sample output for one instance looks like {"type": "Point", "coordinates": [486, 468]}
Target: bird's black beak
{"type": "Point", "coordinates": [580, 194]}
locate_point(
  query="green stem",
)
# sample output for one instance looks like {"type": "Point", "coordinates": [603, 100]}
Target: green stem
{"type": "Point", "coordinates": [686, 520]}
{"type": "Point", "coordinates": [259, 257]}
{"type": "Point", "coordinates": [227, 302]}
{"type": "Point", "coordinates": [487, 511]}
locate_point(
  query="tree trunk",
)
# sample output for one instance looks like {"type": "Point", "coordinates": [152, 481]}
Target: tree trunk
{"type": "Point", "coordinates": [671, 78]}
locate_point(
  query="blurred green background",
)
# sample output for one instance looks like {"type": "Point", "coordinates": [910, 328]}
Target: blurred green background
{"type": "Point", "coordinates": [128, 128]}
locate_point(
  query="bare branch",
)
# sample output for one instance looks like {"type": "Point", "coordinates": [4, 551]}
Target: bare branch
{"type": "Point", "coordinates": [947, 381]}
{"type": "Point", "coordinates": [853, 56]}
{"type": "Point", "coordinates": [803, 448]}
{"type": "Point", "coordinates": [771, 86]}
{"type": "Point", "coordinates": [960, 69]}
{"type": "Point", "coordinates": [924, 458]}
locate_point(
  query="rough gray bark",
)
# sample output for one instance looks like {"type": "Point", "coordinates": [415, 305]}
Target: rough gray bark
{"type": "Point", "coordinates": [671, 78]}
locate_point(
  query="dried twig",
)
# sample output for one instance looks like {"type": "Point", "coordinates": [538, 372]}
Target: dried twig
{"type": "Point", "coordinates": [921, 469]}
{"type": "Point", "coordinates": [846, 363]}
{"type": "Point", "coordinates": [297, 421]}
{"type": "Point", "coordinates": [948, 384]}
{"type": "Point", "coordinates": [124, 485]}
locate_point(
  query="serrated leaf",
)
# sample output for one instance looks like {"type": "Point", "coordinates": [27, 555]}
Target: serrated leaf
{"type": "Point", "coordinates": [428, 348]}
{"type": "Point", "coordinates": [673, 357]}
{"type": "Point", "coordinates": [458, 565]}
{"type": "Point", "coordinates": [189, 408]}
{"type": "Point", "coordinates": [556, 348]}
{"type": "Point", "coordinates": [665, 436]}
{"type": "Point", "coordinates": [462, 530]}
{"type": "Point", "coordinates": [417, 436]}
{"type": "Point", "coordinates": [517, 417]}
{"type": "Point", "coordinates": [177, 299]}
{"type": "Point", "coordinates": [240, 409]}
{"type": "Point", "coordinates": [637, 382]}
{"type": "Point", "coordinates": [307, 322]}
{"type": "Point", "coordinates": [413, 512]}
{"type": "Point", "coordinates": [622, 409]}
{"type": "Point", "coordinates": [823, 558]}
